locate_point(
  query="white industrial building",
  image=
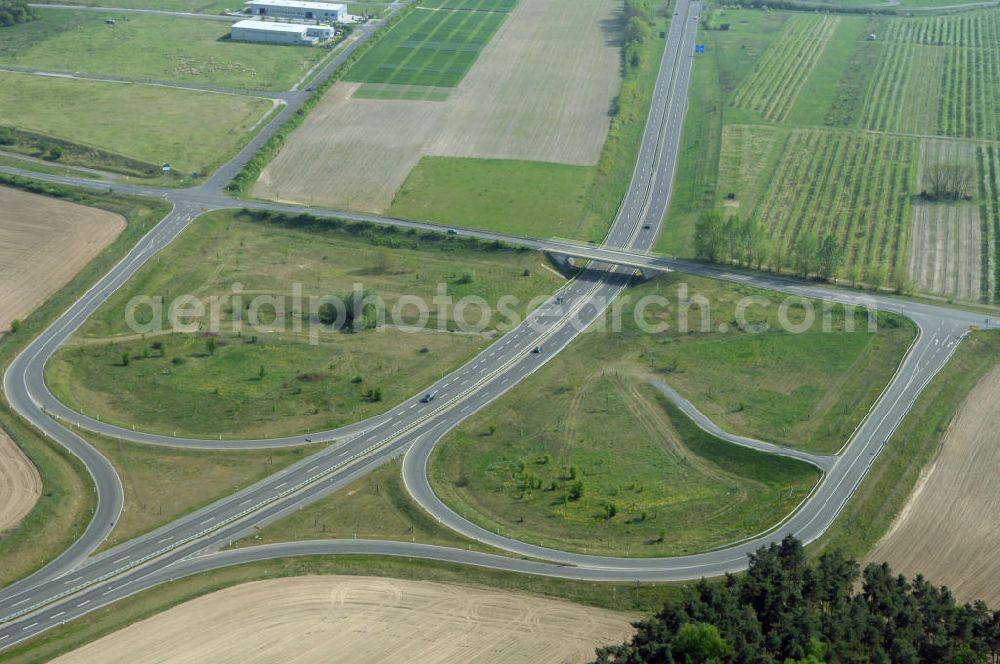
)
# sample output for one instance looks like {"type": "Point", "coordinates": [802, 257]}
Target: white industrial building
{"type": "Point", "coordinates": [298, 9]}
{"type": "Point", "coordinates": [269, 32]}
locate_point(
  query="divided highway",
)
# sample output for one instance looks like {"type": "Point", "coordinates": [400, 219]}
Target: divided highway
{"type": "Point", "coordinates": [75, 584]}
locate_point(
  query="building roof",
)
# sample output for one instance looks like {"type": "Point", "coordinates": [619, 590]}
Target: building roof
{"type": "Point", "coordinates": [269, 26]}
{"type": "Point", "coordinates": [300, 4]}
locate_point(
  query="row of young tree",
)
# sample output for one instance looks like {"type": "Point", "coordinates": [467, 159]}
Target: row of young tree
{"type": "Point", "coordinates": [638, 29]}
{"type": "Point", "coordinates": [790, 610]}
{"type": "Point", "coordinates": [13, 12]}
{"type": "Point", "coordinates": [744, 242]}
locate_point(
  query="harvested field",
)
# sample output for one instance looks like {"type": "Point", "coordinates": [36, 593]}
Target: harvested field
{"type": "Point", "coordinates": [20, 485]}
{"type": "Point", "coordinates": [947, 531]}
{"type": "Point", "coordinates": [540, 91]}
{"type": "Point", "coordinates": [362, 619]}
{"type": "Point", "coordinates": [44, 242]}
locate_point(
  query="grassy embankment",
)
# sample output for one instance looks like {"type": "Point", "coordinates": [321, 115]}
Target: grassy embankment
{"type": "Point", "coordinates": [165, 483]}
{"type": "Point", "coordinates": [254, 383]}
{"type": "Point", "coordinates": [67, 500]}
{"type": "Point", "coordinates": [549, 459]}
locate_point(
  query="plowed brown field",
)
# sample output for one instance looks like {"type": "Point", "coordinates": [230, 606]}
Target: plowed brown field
{"type": "Point", "coordinates": [44, 242]}
{"type": "Point", "coordinates": [948, 529]}
{"type": "Point", "coordinates": [20, 484]}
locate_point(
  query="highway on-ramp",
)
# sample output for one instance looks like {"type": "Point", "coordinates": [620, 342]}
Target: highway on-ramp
{"type": "Point", "coordinates": [76, 584]}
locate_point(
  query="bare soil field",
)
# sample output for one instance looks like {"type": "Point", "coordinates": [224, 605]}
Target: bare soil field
{"type": "Point", "coordinates": [540, 91]}
{"type": "Point", "coordinates": [945, 254]}
{"type": "Point", "coordinates": [947, 531]}
{"type": "Point", "coordinates": [362, 619]}
{"type": "Point", "coordinates": [43, 243]}
{"type": "Point", "coordinates": [945, 250]}
{"type": "Point", "coordinates": [20, 485]}
{"type": "Point", "coordinates": [350, 153]}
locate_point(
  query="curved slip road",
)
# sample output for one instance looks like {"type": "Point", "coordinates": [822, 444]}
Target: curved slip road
{"type": "Point", "coordinates": [56, 595]}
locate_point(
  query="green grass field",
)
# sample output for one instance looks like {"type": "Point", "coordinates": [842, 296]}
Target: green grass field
{"type": "Point", "coordinates": [266, 384]}
{"type": "Point", "coordinates": [601, 423]}
{"type": "Point", "coordinates": [674, 480]}
{"type": "Point", "coordinates": [157, 48]}
{"type": "Point", "coordinates": [165, 483]}
{"type": "Point", "coordinates": [477, 5]}
{"type": "Point", "coordinates": [376, 506]}
{"type": "Point", "coordinates": [431, 47]}
{"type": "Point", "coordinates": [193, 131]}
{"type": "Point", "coordinates": [509, 196]}
{"type": "Point", "coordinates": [199, 6]}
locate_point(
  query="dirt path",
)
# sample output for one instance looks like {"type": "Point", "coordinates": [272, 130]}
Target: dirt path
{"type": "Point", "coordinates": [44, 242]}
{"type": "Point", "coordinates": [20, 485]}
{"type": "Point", "coordinates": [948, 529]}
{"type": "Point", "coordinates": [347, 619]}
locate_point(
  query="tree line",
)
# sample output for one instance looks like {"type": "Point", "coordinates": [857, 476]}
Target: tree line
{"type": "Point", "coordinates": [638, 29]}
{"type": "Point", "coordinates": [13, 12]}
{"type": "Point", "coordinates": [744, 242]}
{"type": "Point", "coordinates": [787, 609]}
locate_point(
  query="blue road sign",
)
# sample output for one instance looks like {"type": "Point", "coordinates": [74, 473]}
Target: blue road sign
{"type": "Point", "coordinates": [699, 48]}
